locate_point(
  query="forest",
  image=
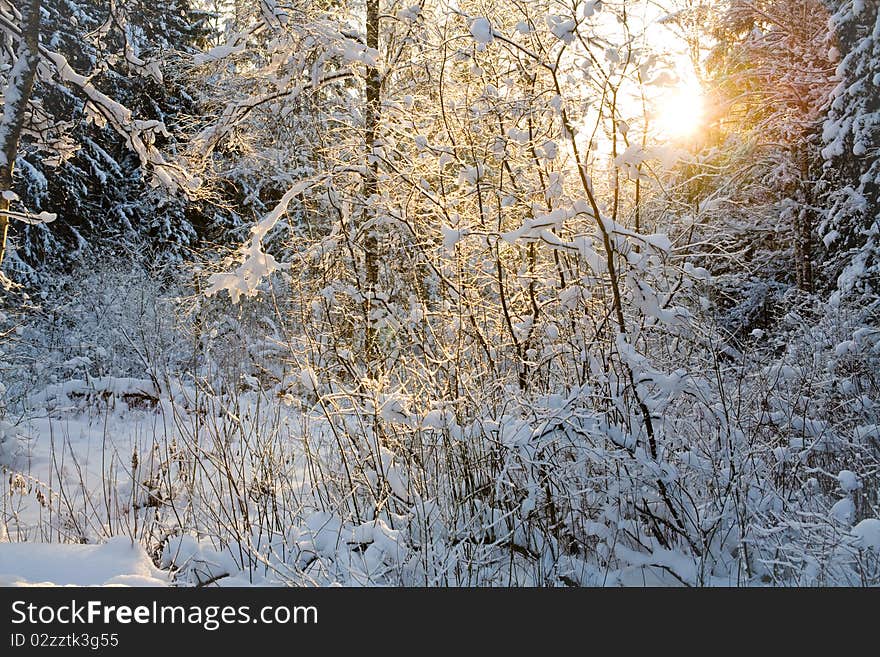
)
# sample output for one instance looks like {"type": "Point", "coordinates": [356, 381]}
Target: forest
{"type": "Point", "coordinates": [435, 293]}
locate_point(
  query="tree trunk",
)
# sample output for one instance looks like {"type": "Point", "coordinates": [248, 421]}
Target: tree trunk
{"type": "Point", "coordinates": [18, 93]}
{"type": "Point", "coordinates": [803, 222]}
{"type": "Point", "coordinates": [371, 177]}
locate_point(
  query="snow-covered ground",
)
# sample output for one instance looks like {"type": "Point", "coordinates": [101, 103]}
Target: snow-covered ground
{"type": "Point", "coordinates": [116, 482]}
{"type": "Point", "coordinates": [118, 562]}
{"type": "Point", "coordinates": [99, 468]}
{"type": "Point", "coordinates": [70, 459]}
{"type": "Point", "coordinates": [91, 479]}
{"type": "Point", "coordinates": [69, 486]}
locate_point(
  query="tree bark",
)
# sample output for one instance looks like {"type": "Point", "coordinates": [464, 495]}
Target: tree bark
{"type": "Point", "coordinates": [18, 93]}
{"type": "Point", "coordinates": [803, 222]}
{"type": "Point", "coordinates": [371, 177]}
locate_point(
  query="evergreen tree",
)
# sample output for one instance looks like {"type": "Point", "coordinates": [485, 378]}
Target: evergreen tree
{"type": "Point", "coordinates": [851, 228]}
{"type": "Point", "coordinates": [75, 163]}
{"type": "Point", "coordinates": [773, 77]}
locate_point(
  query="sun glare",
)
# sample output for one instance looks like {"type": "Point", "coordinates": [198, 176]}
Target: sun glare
{"type": "Point", "coordinates": [679, 112]}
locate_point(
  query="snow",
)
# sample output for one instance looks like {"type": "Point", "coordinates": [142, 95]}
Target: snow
{"type": "Point", "coordinates": [538, 226]}
{"type": "Point", "coordinates": [629, 162]}
{"type": "Point", "coordinates": [562, 27]}
{"type": "Point", "coordinates": [481, 31]}
{"type": "Point", "coordinates": [219, 52]}
{"type": "Point", "coordinates": [830, 237]}
{"type": "Point", "coordinates": [256, 265]}
{"type": "Point", "coordinates": [13, 446]}
{"type": "Point", "coordinates": [528, 416]}
{"type": "Point", "coordinates": [118, 562]}
{"type": "Point", "coordinates": [452, 236]}
{"type": "Point", "coordinates": [843, 510]}
{"type": "Point", "coordinates": [308, 379]}
{"type": "Point", "coordinates": [472, 175]}
{"type": "Point", "coordinates": [664, 78]}
{"type": "Point", "coordinates": [868, 534]}
{"type": "Point", "coordinates": [139, 136]}
{"type": "Point", "coordinates": [14, 96]}
{"type": "Point", "coordinates": [683, 566]}
{"type": "Point", "coordinates": [434, 419]}
{"type": "Point", "coordinates": [40, 218]}
{"type": "Point", "coordinates": [105, 385]}
{"type": "Point", "coordinates": [848, 481]}
{"type": "Point", "coordinates": [698, 273]}
{"type": "Point", "coordinates": [200, 561]}
{"type": "Point", "coordinates": [410, 14]}
{"type": "Point", "coordinates": [76, 451]}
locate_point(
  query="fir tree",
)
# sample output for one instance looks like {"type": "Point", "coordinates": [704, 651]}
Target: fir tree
{"type": "Point", "coordinates": [851, 228]}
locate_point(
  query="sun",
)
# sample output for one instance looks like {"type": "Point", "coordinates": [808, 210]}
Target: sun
{"type": "Point", "coordinates": [680, 112]}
